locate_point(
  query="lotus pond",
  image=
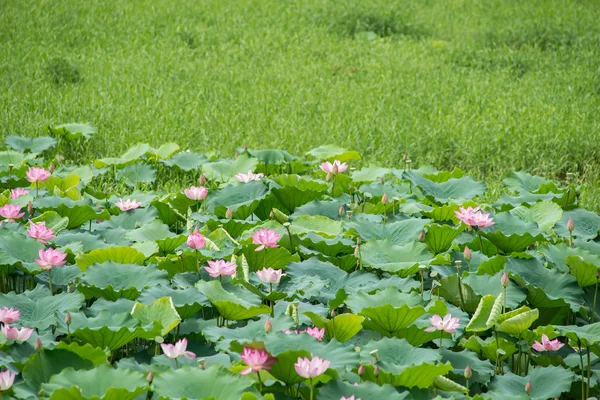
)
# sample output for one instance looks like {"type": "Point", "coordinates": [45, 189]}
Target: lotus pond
{"type": "Point", "coordinates": [169, 274]}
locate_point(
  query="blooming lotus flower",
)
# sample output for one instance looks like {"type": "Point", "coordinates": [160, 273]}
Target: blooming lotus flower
{"type": "Point", "coordinates": [196, 241]}
{"type": "Point", "coordinates": [349, 398]}
{"type": "Point", "coordinates": [316, 333]}
{"type": "Point", "coordinates": [37, 174]}
{"type": "Point", "coordinates": [333, 168]}
{"type": "Point", "coordinates": [288, 332]}
{"type": "Point", "coordinates": [547, 345]}
{"type": "Point", "coordinates": [126, 205]}
{"type": "Point", "coordinates": [6, 380]}
{"type": "Point", "coordinates": [8, 315]}
{"type": "Point", "coordinates": [196, 193]}
{"type": "Point", "coordinates": [265, 238]}
{"type": "Point", "coordinates": [40, 233]}
{"type": "Point", "coordinates": [50, 258]}
{"type": "Point", "coordinates": [249, 177]}
{"type": "Point", "coordinates": [447, 324]}
{"type": "Point", "coordinates": [474, 217]}
{"type": "Point", "coordinates": [256, 360]}
{"type": "Point", "coordinates": [270, 275]}
{"type": "Point", "coordinates": [309, 369]}
{"type": "Point", "coordinates": [220, 268]}
{"type": "Point", "coordinates": [16, 334]}
{"type": "Point", "coordinates": [11, 212]}
{"type": "Point", "coordinates": [177, 349]}
{"type": "Point", "coordinates": [18, 192]}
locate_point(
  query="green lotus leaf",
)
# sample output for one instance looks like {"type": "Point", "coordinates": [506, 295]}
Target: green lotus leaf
{"type": "Point", "coordinates": [112, 280]}
{"type": "Point", "coordinates": [453, 190]}
{"type": "Point", "coordinates": [586, 273]}
{"type": "Point", "coordinates": [492, 284]}
{"type": "Point", "coordinates": [121, 255]}
{"type": "Point", "coordinates": [40, 367]}
{"type": "Point", "coordinates": [166, 212]}
{"type": "Point", "coordinates": [134, 174]}
{"type": "Point", "coordinates": [226, 338]}
{"type": "Point", "coordinates": [63, 184]}
{"type": "Point", "coordinates": [131, 219]}
{"type": "Point", "coordinates": [102, 382]}
{"type": "Point", "coordinates": [187, 301]}
{"type": "Point", "coordinates": [402, 260]}
{"type": "Point", "coordinates": [186, 161]}
{"type": "Point", "coordinates": [224, 170]}
{"type": "Point", "coordinates": [78, 212]}
{"type": "Point", "coordinates": [193, 383]}
{"type": "Point", "coordinates": [558, 254]}
{"type": "Point", "coordinates": [589, 335]}
{"type": "Point", "coordinates": [73, 131]}
{"type": "Point", "coordinates": [165, 151]}
{"type": "Point", "coordinates": [161, 311]}
{"type": "Point", "coordinates": [332, 152]}
{"type": "Point", "coordinates": [370, 173]}
{"type": "Point", "coordinates": [106, 330]}
{"type": "Point", "coordinates": [296, 191]}
{"type": "Point", "coordinates": [544, 213]}
{"type": "Point", "coordinates": [332, 390]}
{"type": "Point", "coordinates": [398, 232]}
{"type": "Point", "coordinates": [317, 224]}
{"type": "Point", "coordinates": [328, 208]}
{"type": "Point", "coordinates": [230, 306]}
{"type": "Point", "coordinates": [516, 322]}
{"type": "Point", "coordinates": [330, 247]}
{"type": "Point", "coordinates": [487, 313]}
{"type": "Point", "coordinates": [449, 291]}
{"type": "Point", "coordinates": [155, 230]}
{"type": "Point", "coordinates": [403, 365]}
{"type": "Point", "coordinates": [447, 385]}
{"type": "Point", "coordinates": [389, 320]}
{"type": "Point", "coordinates": [488, 348]}
{"type": "Point", "coordinates": [88, 352]}
{"type": "Point", "coordinates": [521, 181]}
{"type": "Point", "coordinates": [53, 221]}
{"type": "Point", "coordinates": [16, 248]}
{"type": "Point", "coordinates": [546, 383]}
{"type": "Point", "coordinates": [131, 155]}
{"type": "Point", "coordinates": [242, 199]}
{"type": "Point", "coordinates": [439, 238]}
{"type": "Point", "coordinates": [587, 224]}
{"type": "Point", "coordinates": [276, 258]}
{"type": "Point", "coordinates": [34, 145]}
{"type": "Point", "coordinates": [342, 327]}
{"type": "Point", "coordinates": [482, 369]}
{"type": "Point", "coordinates": [39, 308]}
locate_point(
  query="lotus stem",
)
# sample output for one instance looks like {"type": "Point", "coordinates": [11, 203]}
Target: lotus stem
{"type": "Point", "coordinates": [265, 259]}
{"type": "Point", "coordinates": [519, 358]}
{"type": "Point", "coordinates": [571, 239]}
{"type": "Point", "coordinates": [197, 262]}
{"type": "Point", "coordinates": [499, 368]}
{"type": "Point", "coordinates": [271, 302]}
{"type": "Point", "coordinates": [176, 364]}
{"type": "Point", "coordinates": [50, 280]}
{"type": "Point", "coordinates": [504, 300]}
{"type": "Point", "coordinates": [37, 188]}
{"type": "Point", "coordinates": [589, 373]}
{"type": "Point", "coordinates": [582, 370]}
{"type": "Point", "coordinates": [260, 384]}
{"type": "Point", "coordinates": [311, 389]}
{"type": "Point", "coordinates": [441, 339]}
{"type": "Point", "coordinates": [467, 389]}
{"type": "Point", "coordinates": [593, 313]}
{"type": "Point", "coordinates": [480, 242]}
{"type": "Point", "coordinates": [462, 299]}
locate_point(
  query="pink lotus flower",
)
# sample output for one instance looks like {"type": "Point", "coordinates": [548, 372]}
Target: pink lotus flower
{"type": "Point", "coordinates": [220, 268]}
{"type": "Point", "coordinates": [316, 333]}
{"type": "Point", "coordinates": [265, 238]}
{"type": "Point", "coordinates": [177, 349]}
{"type": "Point", "coordinates": [249, 177]}
{"type": "Point", "coordinates": [11, 212]}
{"type": "Point", "coordinates": [6, 380]}
{"type": "Point", "coordinates": [333, 168]}
{"type": "Point", "coordinates": [288, 332]}
{"type": "Point", "coordinates": [349, 398]}
{"type": "Point", "coordinates": [37, 174]}
{"type": "Point", "coordinates": [547, 345]}
{"type": "Point", "coordinates": [50, 258]}
{"type": "Point", "coordinates": [270, 275]}
{"type": "Point", "coordinates": [8, 315]}
{"type": "Point", "coordinates": [447, 324]}
{"type": "Point", "coordinates": [40, 233]}
{"type": "Point", "coordinates": [16, 334]}
{"type": "Point", "coordinates": [474, 217]}
{"type": "Point", "coordinates": [126, 205]}
{"type": "Point", "coordinates": [18, 192]}
{"type": "Point", "coordinates": [196, 241]}
{"type": "Point", "coordinates": [309, 369]}
{"type": "Point", "coordinates": [196, 193]}
{"type": "Point", "coordinates": [256, 360]}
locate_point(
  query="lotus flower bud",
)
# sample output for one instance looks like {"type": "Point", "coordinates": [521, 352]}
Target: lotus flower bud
{"type": "Point", "coordinates": [528, 388]}
{"type": "Point", "coordinates": [332, 313]}
{"type": "Point", "coordinates": [51, 167]}
{"type": "Point", "coordinates": [385, 199]}
{"type": "Point", "coordinates": [38, 345]}
{"type": "Point", "coordinates": [361, 369]}
{"type": "Point", "coordinates": [150, 377]}
{"type": "Point", "coordinates": [268, 326]}
{"type": "Point", "coordinates": [279, 216]}
{"type": "Point", "coordinates": [68, 319]}
{"type": "Point", "coordinates": [504, 279]}
{"type": "Point", "coordinates": [342, 211]}
{"type": "Point", "coordinates": [196, 230]}
{"type": "Point", "coordinates": [272, 215]}
{"type": "Point", "coordinates": [229, 213]}
{"type": "Point", "coordinates": [202, 180]}
{"type": "Point", "coordinates": [468, 372]}
{"type": "Point", "coordinates": [422, 237]}
{"type": "Point", "coordinates": [467, 253]}
{"type": "Point", "coordinates": [358, 241]}
{"type": "Point", "coordinates": [356, 251]}
{"type": "Point", "coordinates": [30, 208]}
{"type": "Point", "coordinates": [376, 371]}
{"type": "Point", "coordinates": [570, 225]}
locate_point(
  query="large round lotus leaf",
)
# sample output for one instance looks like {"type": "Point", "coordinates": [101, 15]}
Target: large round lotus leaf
{"type": "Point", "coordinates": [73, 131]}
{"type": "Point", "coordinates": [546, 383]}
{"type": "Point", "coordinates": [39, 308]}
{"type": "Point", "coordinates": [230, 306]}
{"type": "Point", "coordinates": [317, 224]}
{"type": "Point", "coordinates": [35, 145]}
{"type": "Point", "coordinates": [589, 335]}
{"type": "Point", "coordinates": [102, 382]}
{"type": "Point", "coordinates": [186, 161]}
{"type": "Point", "coordinates": [329, 209]}
{"type": "Point", "coordinates": [160, 316]}
{"type": "Point", "coordinates": [521, 181]}
{"type": "Point", "coordinates": [77, 211]}
{"type": "Point", "coordinates": [104, 330]}
{"type": "Point", "coordinates": [121, 254]}
{"type": "Point", "coordinates": [331, 152]}
{"type": "Point", "coordinates": [516, 322]}
{"type": "Point", "coordinates": [242, 199]}
{"type": "Point", "coordinates": [483, 370]}
{"type": "Point", "coordinates": [486, 314]}
{"type": "Point", "coordinates": [342, 327]}
{"type": "Point", "coordinates": [296, 191]}
{"type": "Point", "coordinates": [439, 238]}
{"type": "Point", "coordinates": [587, 224]}
{"type": "Point", "coordinates": [398, 232]}
{"type": "Point", "coordinates": [558, 254]}
{"type": "Point", "coordinates": [165, 151]}
{"type": "Point", "coordinates": [544, 213]}
{"type": "Point", "coordinates": [332, 390]}
{"type": "Point", "coordinates": [402, 260]}
{"type": "Point", "coordinates": [134, 174]}
{"type": "Point", "coordinates": [187, 301]}
{"type": "Point", "coordinates": [492, 284]}
{"type": "Point", "coordinates": [194, 383]}
{"type": "Point", "coordinates": [17, 248]}
{"type": "Point", "coordinates": [132, 154]}
{"type": "Point", "coordinates": [453, 190]}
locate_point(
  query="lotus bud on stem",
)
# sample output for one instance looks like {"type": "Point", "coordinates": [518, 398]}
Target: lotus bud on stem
{"type": "Point", "coordinates": [38, 345]}
{"type": "Point", "coordinates": [468, 254]}
{"type": "Point", "coordinates": [528, 388]}
{"type": "Point", "coordinates": [229, 213]}
{"type": "Point", "coordinates": [342, 212]}
{"type": "Point", "coordinates": [361, 369]}
{"type": "Point", "coordinates": [421, 237]}
{"type": "Point", "coordinates": [385, 200]}
{"type": "Point", "coordinates": [422, 269]}
{"type": "Point", "coordinates": [570, 228]}
{"type": "Point", "coordinates": [268, 326]}
{"type": "Point", "coordinates": [504, 280]}
{"type": "Point", "coordinates": [202, 180]}
{"type": "Point", "coordinates": [468, 374]}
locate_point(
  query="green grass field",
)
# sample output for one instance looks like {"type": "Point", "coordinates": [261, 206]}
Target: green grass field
{"type": "Point", "coordinates": [484, 86]}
